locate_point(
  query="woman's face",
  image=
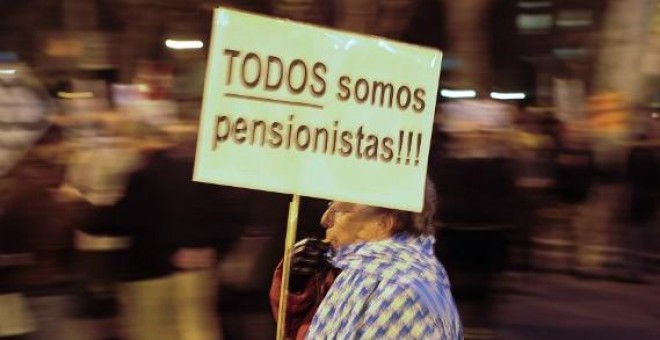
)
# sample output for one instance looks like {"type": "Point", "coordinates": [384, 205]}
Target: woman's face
{"type": "Point", "coordinates": [348, 223]}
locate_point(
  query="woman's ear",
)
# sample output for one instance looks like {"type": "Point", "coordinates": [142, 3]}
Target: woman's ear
{"type": "Point", "coordinates": [388, 224]}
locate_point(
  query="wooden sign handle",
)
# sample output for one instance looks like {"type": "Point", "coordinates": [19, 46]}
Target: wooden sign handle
{"type": "Point", "coordinates": [291, 228]}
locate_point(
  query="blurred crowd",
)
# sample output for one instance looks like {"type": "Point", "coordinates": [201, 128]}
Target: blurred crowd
{"type": "Point", "coordinates": [105, 236]}
{"type": "Point", "coordinates": [99, 215]}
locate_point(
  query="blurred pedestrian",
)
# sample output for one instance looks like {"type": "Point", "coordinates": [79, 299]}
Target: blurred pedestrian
{"type": "Point", "coordinates": [43, 221]}
{"type": "Point", "coordinates": [179, 229]}
{"type": "Point", "coordinates": [381, 280]}
{"type": "Point", "coordinates": [16, 318]}
{"type": "Point", "coordinates": [476, 179]}
{"type": "Point", "coordinates": [574, 163]}
{"type": "Point", "coordinates": [97, 172]}
{"type": "Point", "coordinates": [574, 174]}
{"type": "Point", "coordinates": [643, 176]}
{"type": "Point", "coordinates": [478, 212]}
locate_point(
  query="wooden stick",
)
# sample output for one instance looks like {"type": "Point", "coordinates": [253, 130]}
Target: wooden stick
{"type": "Point", "coordinates": [291, 228]}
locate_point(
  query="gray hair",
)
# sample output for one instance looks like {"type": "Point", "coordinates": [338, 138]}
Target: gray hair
{"type": "Point", "coordinates": [421, 223]}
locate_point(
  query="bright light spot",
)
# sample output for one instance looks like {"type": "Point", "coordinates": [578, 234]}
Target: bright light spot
{"type": "Point", "coordinates": [7, 71]}
{"type": "Point", "coordinates": [143, 88]}
{"type": "Point", "coordinates": [184, 44]}
{"type": "Point", "coordinates": [569, 52]}
{"type": "Point", "coordinates": [574, 18]}
{"type": "Point", "coordinates": [75, 95]}
{"type": "Point", "coordinates": [458, 93]}
{"type": "Point", "coordinates": [534, 4]}
{"type": "Point", "coordinates": [532, 22]}
{"type": "Point", "coordinates": [507, 95]}
{"type": "Point", "coordinates": [574, 23]}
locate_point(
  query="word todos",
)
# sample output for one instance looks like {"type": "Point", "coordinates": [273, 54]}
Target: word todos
{"type": "Point", "coordinates": [272, 73]}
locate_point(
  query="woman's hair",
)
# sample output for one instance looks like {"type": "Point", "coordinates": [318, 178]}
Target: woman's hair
{"type": "Point", "coordinates": [422, 223]}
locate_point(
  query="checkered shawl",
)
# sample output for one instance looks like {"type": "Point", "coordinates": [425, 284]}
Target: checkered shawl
{"type": "Point", "coordinates": [391, 289]}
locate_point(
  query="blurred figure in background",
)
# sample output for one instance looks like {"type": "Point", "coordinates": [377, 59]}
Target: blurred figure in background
{"type": "Point", "coordinates": [178, 228]}
{"type": "Point", "coordinates": [47, 218]}
{"type": "Point", "coordinates": [602, 224]}
{"type": "Point", "coordinates": [574, 162]}
{"type": "Point", "coordinates": [643, 176]}
{"type": "Point", "coordinates": [97, 172]}
{"type": "Point", "coordinates": [16, 318]}
{"type": "Point", "coordinates": [476, 184]}
{"type": "Point", "coordinates": [574, 167]}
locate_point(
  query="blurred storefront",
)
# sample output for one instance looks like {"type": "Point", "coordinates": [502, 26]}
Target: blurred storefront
{"type": "Point", "coordinates": [553, 39]}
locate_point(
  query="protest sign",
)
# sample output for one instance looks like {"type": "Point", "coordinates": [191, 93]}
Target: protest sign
{"type": "Point", "coordinates": [298, 109]}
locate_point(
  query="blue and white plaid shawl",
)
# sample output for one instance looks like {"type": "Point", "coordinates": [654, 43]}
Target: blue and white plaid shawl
{"type": "Point", "coordinates": [391, 289]}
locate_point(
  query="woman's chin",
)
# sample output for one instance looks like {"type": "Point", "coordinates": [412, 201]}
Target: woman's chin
{"type": "Point", "coordinates": [333, 241]}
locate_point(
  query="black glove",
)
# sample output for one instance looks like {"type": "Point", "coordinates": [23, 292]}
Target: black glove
{"type": "Point", "coordinates": [308, 257]}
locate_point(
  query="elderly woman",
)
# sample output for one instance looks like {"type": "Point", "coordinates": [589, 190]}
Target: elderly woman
{"type": "Point", "coordinates": [379, 279]}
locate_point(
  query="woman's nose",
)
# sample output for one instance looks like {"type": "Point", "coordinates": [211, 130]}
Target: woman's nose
{"type": "Point", "coordinates": [326, 219]}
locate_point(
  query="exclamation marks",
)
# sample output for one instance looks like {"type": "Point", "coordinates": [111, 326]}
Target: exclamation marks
{"type": "Point", "coordinates": [419, 148]}
{"type": "Point", "coordinates": [398, 159]}
{"type": "Point", "coordinates": [410, 147]}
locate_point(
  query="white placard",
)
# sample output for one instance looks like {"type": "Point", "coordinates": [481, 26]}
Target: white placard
{"type": "Point", "coordinates": [293, 108]}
